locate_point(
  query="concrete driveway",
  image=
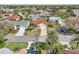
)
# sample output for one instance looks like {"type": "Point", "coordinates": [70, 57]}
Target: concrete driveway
{"type": "Point", "coordinates": [22, 30]}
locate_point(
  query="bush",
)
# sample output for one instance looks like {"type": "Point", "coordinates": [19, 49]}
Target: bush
{"type": "Point", "coordinates": [60, 15]}
{"type": "Point", "coordinates": [41, 47]}
{"type": "Point", "coordinates": [1, 41]}
{"type": "Point", "coordinates": [73, 44]}
{"type": "Point", "coordinates": [72, 31]}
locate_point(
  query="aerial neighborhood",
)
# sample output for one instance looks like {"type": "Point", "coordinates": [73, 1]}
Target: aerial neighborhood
{"type": "Point", "coordinates": [39, 29]}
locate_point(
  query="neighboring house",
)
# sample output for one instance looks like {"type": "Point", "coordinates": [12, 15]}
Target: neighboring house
{"type": "Point", "coordinates": [49, 10]}
{"type": "Point", "coordinates": [72, 51]}
{"type": "Point", "coordinates": [42, 25]}
{"type": "Point", "coordinates": [36, 22]}
{"type": "Point", "coordinates": [20, 23]}
{"type": "Point", "coordinates": [12, 17]}
{"type": "Point", "coordinates": [33, 16]}
{"type": "Point", "coordinates": [44, 14]}
{"type": "Point", "coordinates": [54, 19]}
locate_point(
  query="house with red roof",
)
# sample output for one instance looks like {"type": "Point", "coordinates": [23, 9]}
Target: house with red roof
{"type": "Point", "coordinates": [72, 51]}
{"type": "Point", "coordinates": [36, 22]}
{"type": "Point", "coordinates": [13, 17]}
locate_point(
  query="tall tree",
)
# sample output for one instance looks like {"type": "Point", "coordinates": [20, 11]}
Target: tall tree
{"type": "Point", "coordinates": [53, 42]}
{"type": "Point", "coordinates": [75, 43]}
{"type": "Point", "coordinates": [73, 22]}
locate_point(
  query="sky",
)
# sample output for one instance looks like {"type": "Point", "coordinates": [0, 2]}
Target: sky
{"type": "Point", "coordinates": [34, 2]}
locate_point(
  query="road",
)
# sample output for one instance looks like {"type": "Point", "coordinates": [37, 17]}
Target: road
{"type": "Point", "coordinates": [20, 38]}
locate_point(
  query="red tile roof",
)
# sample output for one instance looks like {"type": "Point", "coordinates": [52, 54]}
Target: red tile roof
{"type": "Point", "coordinates": [39, 21]}
{"type": "Point", "coordinates": [72, 51]}
{"type": "Point", "coordinates": [14, 17]}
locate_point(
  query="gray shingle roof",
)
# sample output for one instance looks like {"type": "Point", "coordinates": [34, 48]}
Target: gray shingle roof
{"type": "Point", "coordinates": [20, 23]}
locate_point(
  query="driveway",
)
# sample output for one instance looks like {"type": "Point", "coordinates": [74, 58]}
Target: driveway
{"type": "Point", "coordinates": [22, 30]}
{"type": "Point", "coordinates": [43, 34]}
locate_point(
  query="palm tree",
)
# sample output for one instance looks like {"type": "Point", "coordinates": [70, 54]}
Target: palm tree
{"type": "Point", "coordinates": [52, 41]}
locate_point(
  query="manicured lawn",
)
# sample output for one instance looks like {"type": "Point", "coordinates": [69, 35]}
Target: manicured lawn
{"type": "Point", "coordinates": [35, 32]}
{"type": "Point", "coordinates": [44, 18]}
{"type": "Point", "coordinates": [16, 45]}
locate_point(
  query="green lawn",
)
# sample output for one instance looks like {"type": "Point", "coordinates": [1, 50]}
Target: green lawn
{"type": "Point", "coordinates": [44, 18]}
{"type": "Point", "coordinates": [35, 32]}
{"type": "Point", "coordinates": [16, 45]}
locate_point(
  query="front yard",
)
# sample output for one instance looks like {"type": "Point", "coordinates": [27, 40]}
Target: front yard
{"type": "Point", "coordinates": [16, 45]}
{"type": "Point", "coordinates": [33, 30]}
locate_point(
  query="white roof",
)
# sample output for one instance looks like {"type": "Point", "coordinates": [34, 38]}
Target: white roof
{"type": "Point", "coordinates": [55, 17]}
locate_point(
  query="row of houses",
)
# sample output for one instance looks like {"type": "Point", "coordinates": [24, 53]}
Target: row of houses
{"type": "Point", "coordinates": [10, 15]}
{"type": "Point", "coordinates": [36, 18]}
